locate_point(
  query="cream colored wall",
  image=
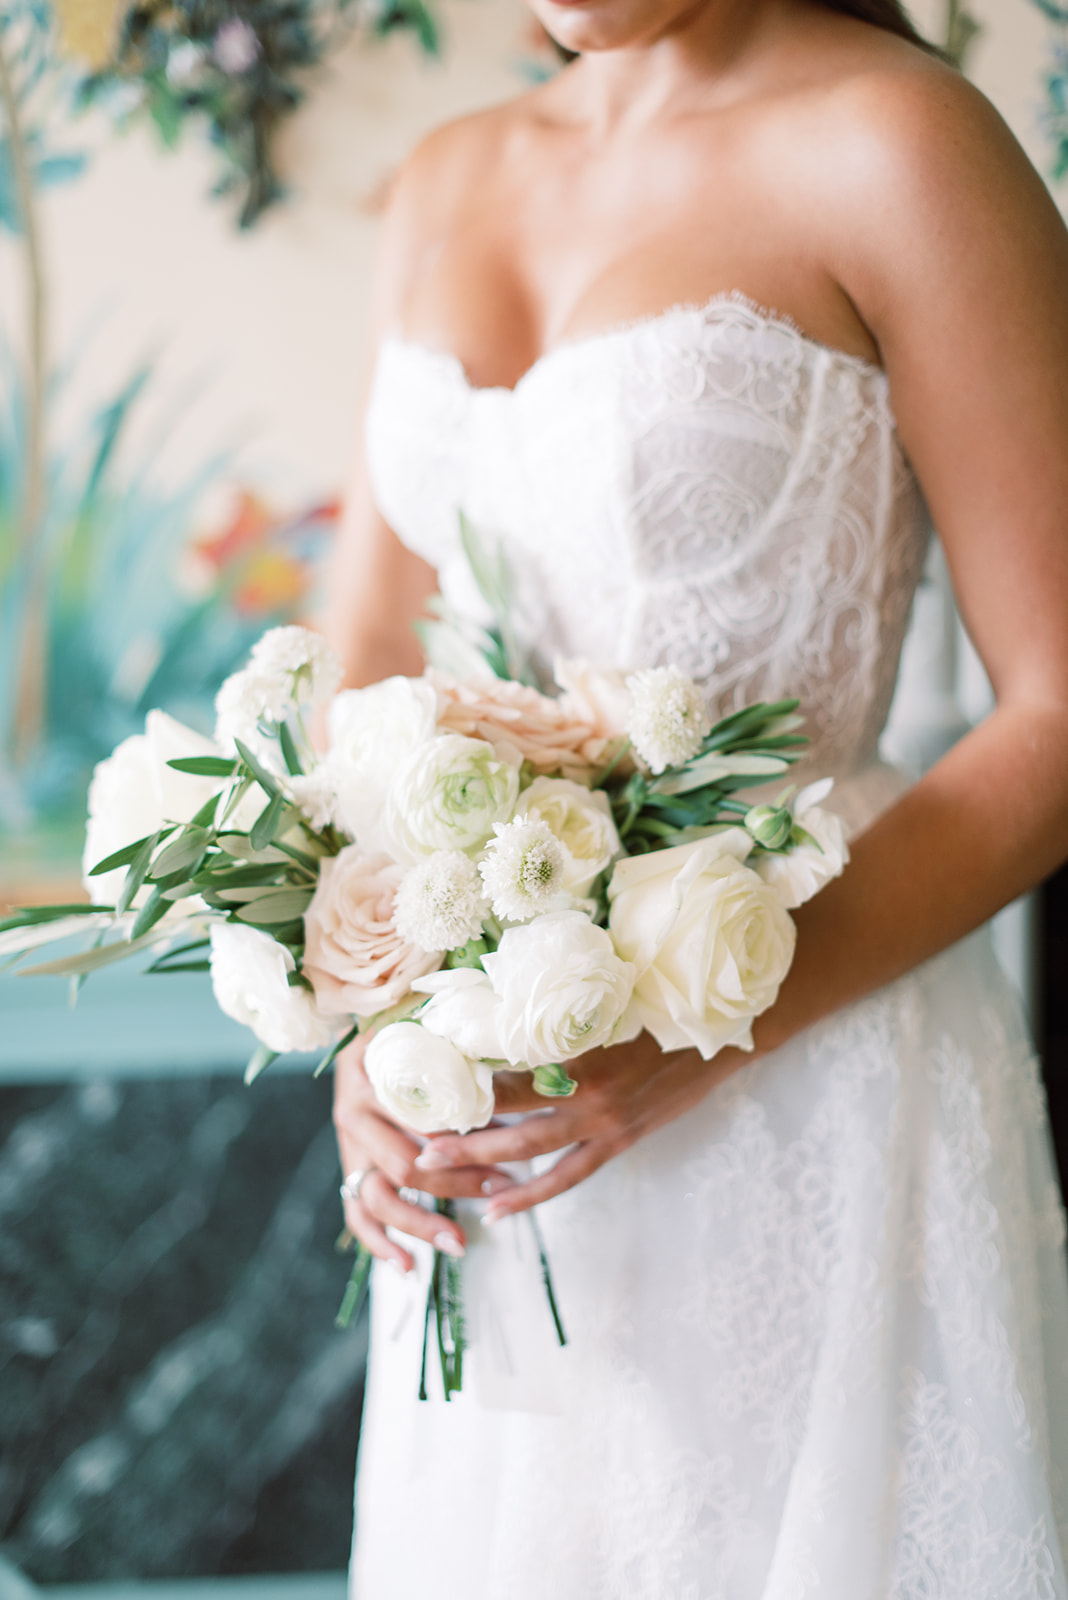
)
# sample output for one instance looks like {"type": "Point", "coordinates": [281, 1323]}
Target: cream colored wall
{"type": "Point", "coordinates": [268, 326]}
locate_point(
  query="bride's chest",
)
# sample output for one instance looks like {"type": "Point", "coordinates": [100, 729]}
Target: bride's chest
{"type": "Point", "coordinates": [693, 437]}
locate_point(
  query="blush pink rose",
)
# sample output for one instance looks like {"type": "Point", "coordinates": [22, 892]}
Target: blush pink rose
{"type": "Point", "coordinates": [356, 961]}
{"type": "Point", "coordinates": [552, 735]}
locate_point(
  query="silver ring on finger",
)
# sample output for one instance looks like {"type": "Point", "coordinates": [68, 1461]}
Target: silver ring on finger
{"type": "Point", "coordinates": [350, 1189]}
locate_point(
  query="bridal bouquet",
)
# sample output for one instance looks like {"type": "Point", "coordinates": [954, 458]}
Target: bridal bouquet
{"type": "Point", "coordinates": [480, 876]}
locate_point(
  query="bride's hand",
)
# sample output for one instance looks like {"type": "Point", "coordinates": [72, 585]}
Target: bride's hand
{"type": "Point", "coordinates": [369, 1142]}
{"type": "Point", "coordinates": [624, 1093]}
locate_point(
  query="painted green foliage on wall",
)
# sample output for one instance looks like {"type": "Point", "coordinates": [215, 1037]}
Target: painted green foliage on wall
{"type": "Point", "coordinates": [96, 624]}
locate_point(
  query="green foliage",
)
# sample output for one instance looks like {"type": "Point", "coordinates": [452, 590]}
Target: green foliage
{"type": "Point", "coordinates": [742, 751]}
{"type": "Point", "coordinates": [121, 635]}
{"type": "Point", "coordinates": [1055, 118]}
{"type": "Point", "coordinates": [238, 66]}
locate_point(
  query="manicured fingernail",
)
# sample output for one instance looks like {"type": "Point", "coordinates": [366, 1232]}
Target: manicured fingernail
{"type": "Point", "coordinates": [494, 1214]}
{"type": "Point", "coordinates": [432, 1159]}
{"type": "Point", "coordinates": [449, 1245]}
{"type": "Point", "coordinates": [496, 1182]}
{"type": "Point", "coordinates": [398, 1266]}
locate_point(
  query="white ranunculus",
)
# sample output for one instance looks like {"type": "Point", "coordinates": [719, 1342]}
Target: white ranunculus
{"type": "Point", "coordinates": [464, 1009]}
{"type": "Point", "coordinates": [372, 730]}
{"type": "Point", "coordinates": [581, 819]}
{"type": "Point", "coordinates": [249, 974]}
{"type": "Point", "coordinates": [562, 989]}
{"type": "Point", "coordinates": [133, 792]}
{"type": "Point", "coordinates": [800, 872]}
{"type": "Point", "coordinates": [710, 940]}
{"type": "Point", "coordinates": [448, 795]}
{"type": "Point", "coordinates": [425, 1082]}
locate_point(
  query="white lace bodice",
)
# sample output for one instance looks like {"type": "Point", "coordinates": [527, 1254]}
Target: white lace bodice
{"type": "Point", "coordinates": [707, 487]}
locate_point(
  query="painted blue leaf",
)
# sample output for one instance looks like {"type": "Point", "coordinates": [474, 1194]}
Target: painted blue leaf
{"type": "Point", "coordinates": [62, 168]}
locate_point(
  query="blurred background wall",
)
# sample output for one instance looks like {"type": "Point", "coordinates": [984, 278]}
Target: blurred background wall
{"type": "Point", "coordinates": [174, 1401]}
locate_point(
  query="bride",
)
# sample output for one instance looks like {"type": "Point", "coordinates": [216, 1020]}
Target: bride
{"type": "Point", "coordinates": [700, 330]}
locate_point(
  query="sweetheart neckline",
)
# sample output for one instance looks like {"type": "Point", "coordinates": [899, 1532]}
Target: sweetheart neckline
{"type": "Point", "coordinates": [725, 299]}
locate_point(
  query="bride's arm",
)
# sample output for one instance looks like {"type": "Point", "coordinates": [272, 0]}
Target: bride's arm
{"type": "Point", "coordinates": [958, 262]}
{"type": "Point", "coordinates": [375, 589]}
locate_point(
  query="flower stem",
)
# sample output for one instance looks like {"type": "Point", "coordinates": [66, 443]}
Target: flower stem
{"type": "Point", "coordinates": [547, 1279]}
{"type": "Point", "coordinates": [356, 1288]}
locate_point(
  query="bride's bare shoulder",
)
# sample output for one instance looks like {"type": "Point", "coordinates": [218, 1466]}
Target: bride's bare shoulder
{"type": "Point", "coordinates": [446, 167]}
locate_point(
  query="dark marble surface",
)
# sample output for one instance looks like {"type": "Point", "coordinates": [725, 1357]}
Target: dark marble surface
{"type": "Point", "coordinates": [174, 1397]}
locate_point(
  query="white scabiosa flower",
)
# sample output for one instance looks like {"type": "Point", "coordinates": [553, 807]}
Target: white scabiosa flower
{"type": "Point", "coordinates": [668, 718]}
{"type": "Point", "coordinates": [246, 699]}
{"type": "Point", "coordinates": [581, 819]}
{"type": "Point", "coordinates": [525, 869]}
{"type": "Point", "coordinates": [315, 792]}
{"type": "Point", "coordinates": [441, 902]}
{"type": "Point", "coordinates": [301, 656]}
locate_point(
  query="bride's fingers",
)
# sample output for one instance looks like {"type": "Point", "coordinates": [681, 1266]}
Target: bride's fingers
{"type": "Point", "coordinates": [537, 1136]}
{"type": "Point", "coordinates": [374, 1237]}
{"type": "Point", "coordinates": [572, 1168]}
{"type": "Point", "coordinates": [457, 1183]}
{"type": "Point", "coordinates": [384, 1205]}
{"type": "Point", "coordinates": [388, 1148]}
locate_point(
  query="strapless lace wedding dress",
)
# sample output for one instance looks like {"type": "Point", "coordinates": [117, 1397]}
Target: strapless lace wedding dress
{"type": "Point", "coordinates": [818, 1326]}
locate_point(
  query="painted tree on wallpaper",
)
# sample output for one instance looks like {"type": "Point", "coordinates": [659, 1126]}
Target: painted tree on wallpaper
{"type": "Point", "coordinates": [108, 606]}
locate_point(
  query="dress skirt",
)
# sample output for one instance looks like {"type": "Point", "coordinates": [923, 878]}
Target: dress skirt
{"type": "Point", "coordinates": [818, 1344]}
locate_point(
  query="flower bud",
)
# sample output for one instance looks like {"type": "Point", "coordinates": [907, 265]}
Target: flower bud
{"type": "Point", "coordinates": [770, 826]}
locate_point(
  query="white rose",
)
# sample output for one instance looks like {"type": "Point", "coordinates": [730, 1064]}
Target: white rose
{"type": "Point", "coordinates": [357, 961]}
{"type": "Point", "coordinates": [426, 1083]}
{"type": "Point", "coordinates": [249, 974]}
{"type": "Point", "coordinates": [371, 732]}
{"type": "Point", "coordinates": [800, 872]}
{"type": "Point", "coordinates": [711, 941]}
{"type": "Point", "coordinates": [464, 1009]}
{"type": "Point", "coordinates": [133, 792]}
{"type": "Point", "coordinates": [581, 820]}
{"type": "Point", "coordinates": [562, 989]}
{"type": "Point", "coordinates": [448, 795]}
